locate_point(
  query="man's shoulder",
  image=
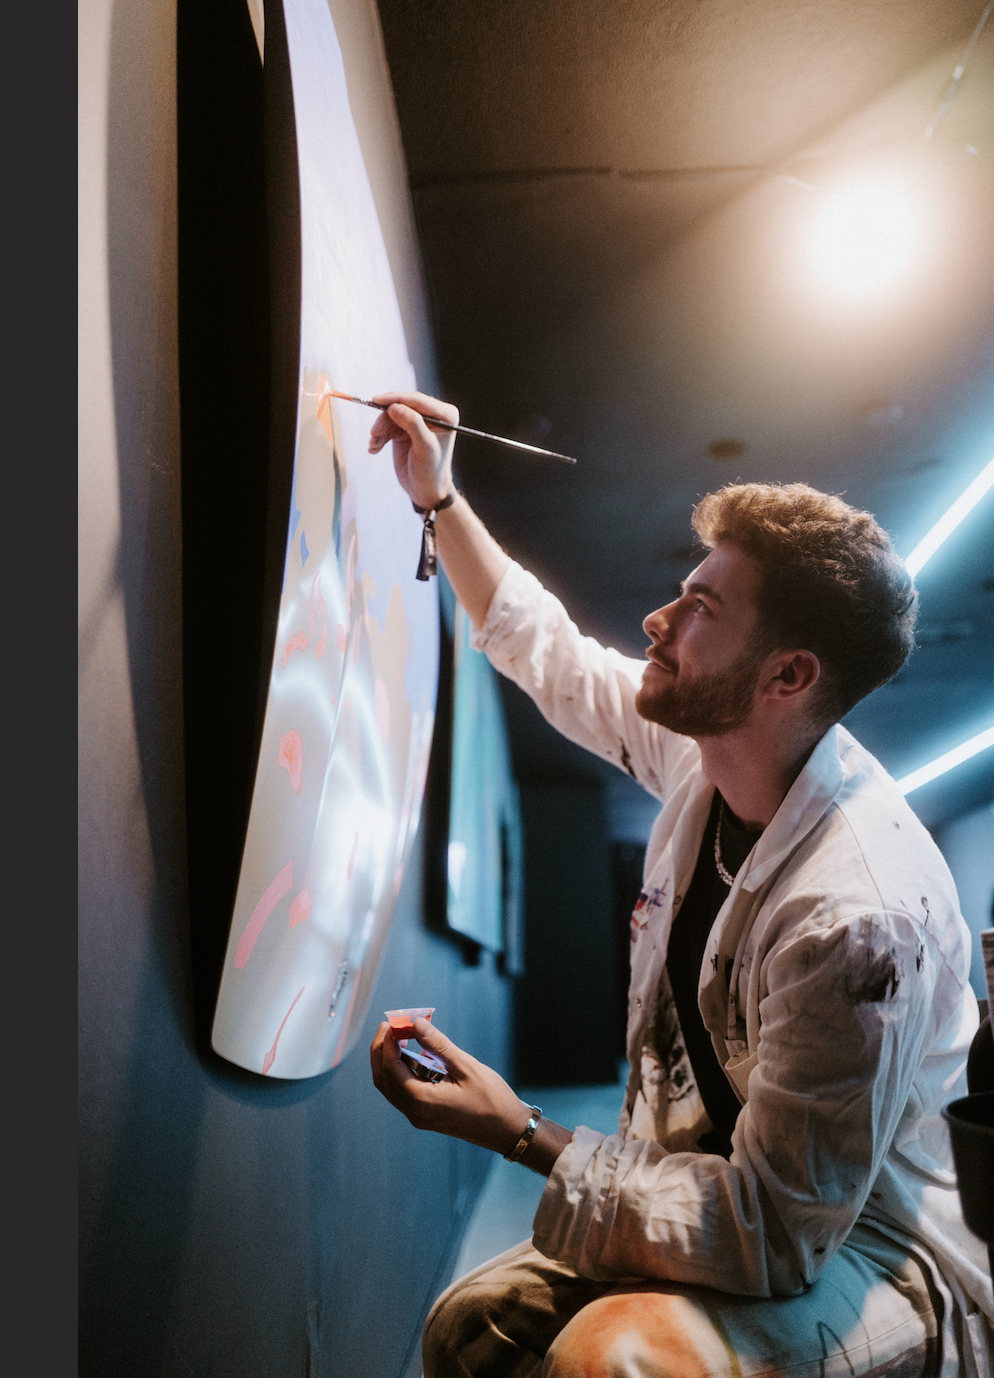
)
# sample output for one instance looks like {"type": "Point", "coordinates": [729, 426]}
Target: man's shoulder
{"type": "Point", "coordinates": [871, 853]}
{"type": "Point", "coordinates": [877, 815]}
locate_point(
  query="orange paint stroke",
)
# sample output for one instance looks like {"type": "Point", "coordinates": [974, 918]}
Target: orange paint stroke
{"type": "Point", "coordinates": [270, 1057]}
{"type": "Point", "coordinates": [291, 757]}
{"type": "Point", "coordinates": [300, 907]}
{"type": "Point", "coordinates": [297, 642]}
{"type": "Point", "coordinates": [355, 844]}
{"type": "Point", "coordinates": [348, 1015]}
{"type": "Point", "coordinates": [381, 708]}
{"type": "Point", "coordinates": [271, 897]}
{"type": "Point", "coordinates": [322, 409]}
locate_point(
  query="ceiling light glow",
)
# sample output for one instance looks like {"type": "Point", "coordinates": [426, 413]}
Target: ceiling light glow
{"type": "Point", "coordinates": [866, 235]}
{"type": "Point", "coordinates": [951, 519]}
{"type": "Point", "coordinates": [947, 761]}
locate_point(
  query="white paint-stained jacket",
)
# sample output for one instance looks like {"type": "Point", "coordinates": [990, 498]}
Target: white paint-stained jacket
{"type": "Point", "coordinates": [834, 987]}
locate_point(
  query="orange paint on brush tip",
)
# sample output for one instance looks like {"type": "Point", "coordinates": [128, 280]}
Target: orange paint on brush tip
{"type": "Point", "coordinates": [404, 1019]}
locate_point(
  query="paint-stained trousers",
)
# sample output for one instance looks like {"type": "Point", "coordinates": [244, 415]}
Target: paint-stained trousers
{"type": "Point", "coordinates": [873, 1313]}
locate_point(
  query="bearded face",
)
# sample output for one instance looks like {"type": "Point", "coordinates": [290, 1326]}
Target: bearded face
{"type": "Point", "coordinates": [698, 704]}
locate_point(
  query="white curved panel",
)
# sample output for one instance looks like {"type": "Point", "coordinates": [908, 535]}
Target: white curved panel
{"type": "Point", "coordinates": [350, 711]}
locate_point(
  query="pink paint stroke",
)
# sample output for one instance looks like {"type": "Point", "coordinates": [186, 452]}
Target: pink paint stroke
{"type": "Point", "coordinates": [291, 757]}
{"type": "Point", "coordinates": [272, 895]}
{"type": "Point", "coordinates": [297, 642]}
{"type": "Point", "coordinates": [300, 907]}
{"type": "Point", "coordinates": [270, 1057]}
{"type": "Point", "coordinates": [340, 637]}
{"type": "Point", "coordinates": [348, 1015]}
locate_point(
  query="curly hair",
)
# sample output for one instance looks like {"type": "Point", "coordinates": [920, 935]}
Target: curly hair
{"type": "Point", "coordinates": [831, 583]}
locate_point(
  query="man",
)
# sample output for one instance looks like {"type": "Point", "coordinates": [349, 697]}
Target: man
{"type": "Point", "coordinates": [779, 1197]}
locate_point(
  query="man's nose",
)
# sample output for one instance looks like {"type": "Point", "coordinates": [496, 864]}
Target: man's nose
{"type": "Point", "coordinates": [659, 624]}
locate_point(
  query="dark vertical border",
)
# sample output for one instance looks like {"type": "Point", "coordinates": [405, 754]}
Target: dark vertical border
{"type": "Point", "coordinates": [239, 332]}
{"type": "Point", "coordinates": [438, 784]}
{"type": "Point", "coordinates": [284, 233]}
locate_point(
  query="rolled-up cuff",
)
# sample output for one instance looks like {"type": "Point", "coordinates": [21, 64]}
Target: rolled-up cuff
{"type": "Point", "coordinates": [568, 1208]}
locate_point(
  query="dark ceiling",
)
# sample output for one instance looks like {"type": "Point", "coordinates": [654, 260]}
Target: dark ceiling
{"type": "Point", "coordinates": [614, 199]}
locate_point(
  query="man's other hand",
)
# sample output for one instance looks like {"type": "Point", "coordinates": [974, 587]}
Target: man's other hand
{"type": "Point", "coordinates": [422, 458]}
{"type": "Point", "coordinates": [473, 1102]}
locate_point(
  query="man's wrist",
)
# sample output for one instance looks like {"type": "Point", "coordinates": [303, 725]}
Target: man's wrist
{"type": "Point", "coordinates": [525, 1138]}
{"type": "Point", "coordinates": [439, 506]}
{"type": "Point", "coordinates": [543, 1148]}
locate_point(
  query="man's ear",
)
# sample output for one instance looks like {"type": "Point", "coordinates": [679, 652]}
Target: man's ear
{"type": "Point", "coordinates": [790, 673]}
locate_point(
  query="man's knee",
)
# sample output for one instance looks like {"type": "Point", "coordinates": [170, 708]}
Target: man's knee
{"type": "Point", "coordinates": [453, 1323]}
{"type": "Point", "coordinates": [635, 1331]}
{"type": "Point", "coordinates": [469, 1332]}
{"type": "Point", "coordinates": [503, 1318]}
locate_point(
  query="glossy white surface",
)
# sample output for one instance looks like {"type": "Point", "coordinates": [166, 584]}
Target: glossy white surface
{"type": "Point", "coordinates": [350, 713]}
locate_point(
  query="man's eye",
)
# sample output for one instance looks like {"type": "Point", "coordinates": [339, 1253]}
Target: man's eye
{"type": "Point", "coordinates": [701, 606]}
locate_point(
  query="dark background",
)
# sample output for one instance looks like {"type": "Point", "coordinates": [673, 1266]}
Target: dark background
{"type": "Point", "coordinates": [608, 240]}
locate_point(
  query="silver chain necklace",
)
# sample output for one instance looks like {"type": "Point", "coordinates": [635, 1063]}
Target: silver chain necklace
{"type": "Point", "coordinates": [723, 872]}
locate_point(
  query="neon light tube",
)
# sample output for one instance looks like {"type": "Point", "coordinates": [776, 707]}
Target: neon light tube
{"type": "Point", "coordinates": [945, 762]}
{"type": "Point", "coordinates": [948, 523]}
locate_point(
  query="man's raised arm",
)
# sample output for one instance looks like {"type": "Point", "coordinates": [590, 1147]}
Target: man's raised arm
{"type": "Point", "coordinates": [422, 460]}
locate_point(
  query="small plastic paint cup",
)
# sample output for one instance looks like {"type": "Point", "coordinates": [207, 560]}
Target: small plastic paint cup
{"type": "Point", "coordinates": [403, 1019]}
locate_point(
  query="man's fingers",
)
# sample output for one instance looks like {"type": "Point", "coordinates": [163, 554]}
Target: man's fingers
{"type": "Point", "coordinates": [388, 1070]}
{"type": "Point", "coordinates": [406, 425]}
{"type": "Point", "coordinates": [421, 403]}
{"type": "Point", "coordinates": [382, 431]}
{"type": "Point", "coordinates": [410, 423]}
{"type": "Point", "coordinates": [436, 1042]}
{"type": "Point", "coordinates": [376, 1052]}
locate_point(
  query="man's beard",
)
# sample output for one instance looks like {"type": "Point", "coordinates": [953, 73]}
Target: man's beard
{"type": "Point", "coordinates": [704, 706]}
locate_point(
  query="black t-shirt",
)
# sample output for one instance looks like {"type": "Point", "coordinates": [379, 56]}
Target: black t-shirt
{"type": "Point", "coordinates": [691, 927]}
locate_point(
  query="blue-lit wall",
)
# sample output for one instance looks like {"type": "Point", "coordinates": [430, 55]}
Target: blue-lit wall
{"type": "Point", "coordinates": [968, 846]}
{"type": "Point", "coordinates": [229, 1226]}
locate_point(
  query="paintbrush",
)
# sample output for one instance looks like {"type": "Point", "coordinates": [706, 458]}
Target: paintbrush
{"type": "Point", "coordinates": [436, 423]}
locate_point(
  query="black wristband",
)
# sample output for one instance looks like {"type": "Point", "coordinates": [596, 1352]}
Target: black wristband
{"type": "Point", "coordinates": [447, 501]}
{"type": "Point", "coordinates": [428, 563]}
